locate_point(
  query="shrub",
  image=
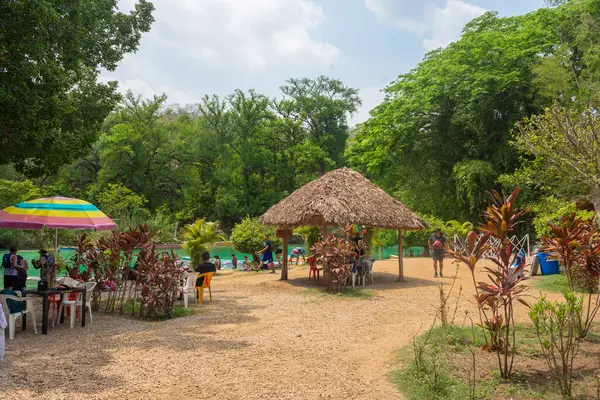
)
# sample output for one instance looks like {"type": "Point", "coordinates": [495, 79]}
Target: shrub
{"type": "Point", "coordinates": [557, 326]}
{"type": "Point", "coordinates": [335, 253]}
{"type": "Point", "coordinates": [247, 237]}
{"type": "Point", "coordinates": [575, 242]}
{"type": "Point", "coordinates": [200, 237]}
{"type": "Point", "coordinates": [108, 261]}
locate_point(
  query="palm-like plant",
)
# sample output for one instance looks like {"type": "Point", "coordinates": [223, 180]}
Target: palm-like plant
{"type": "Point", "coordinates": [201, 236]}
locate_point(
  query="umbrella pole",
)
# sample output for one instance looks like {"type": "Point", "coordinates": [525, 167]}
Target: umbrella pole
{"type": "Point", "coordinates": [55, 244]}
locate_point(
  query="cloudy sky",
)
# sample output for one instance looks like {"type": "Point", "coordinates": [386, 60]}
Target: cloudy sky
{"type": "Point", "coordinates": [199, 47]}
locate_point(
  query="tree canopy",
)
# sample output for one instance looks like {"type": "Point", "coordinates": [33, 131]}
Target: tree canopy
{"type": "Point", "coordinates": [51, 54]}
{"type": "Point", "coordinates": [441, 137]}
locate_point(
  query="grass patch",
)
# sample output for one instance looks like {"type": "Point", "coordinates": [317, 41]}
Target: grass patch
{"type": "Point", "coordinates": [552, 283]}
{"type": "Point", "coordinates": [349, 293]}
{"type": "Point", "coordinates": [179, 311]}
{"type": "Point", "coordinates": [440, 366]}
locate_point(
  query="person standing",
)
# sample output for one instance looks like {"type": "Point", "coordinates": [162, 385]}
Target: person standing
{"type": "Point", "coordinates": [46, 265]}
{"type": "Point", "coordinates": [437, 245]}
{"type": "Point", "coordinates": [233, 261]}
{"type": "Point", "coordinates": [267, 255]}
{"type": "Point", "coordinates": [21, 266]}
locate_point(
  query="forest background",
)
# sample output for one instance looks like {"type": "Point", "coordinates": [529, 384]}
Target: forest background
{"type": "Point", "coordinates": [483, 113]}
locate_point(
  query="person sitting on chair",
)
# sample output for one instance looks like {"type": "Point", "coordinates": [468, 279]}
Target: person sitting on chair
{"type": "Point", "coordinates": [204, 267]}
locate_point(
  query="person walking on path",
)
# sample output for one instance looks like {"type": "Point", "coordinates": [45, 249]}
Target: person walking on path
{"type": "Point", "coordinates": [267, 255]}
{"type": "Point", "coordinates": [437, 245]}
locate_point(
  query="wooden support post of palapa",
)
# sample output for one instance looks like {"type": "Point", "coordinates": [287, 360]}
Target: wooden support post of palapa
{"type": "Point", "coordinates": [400, 257]}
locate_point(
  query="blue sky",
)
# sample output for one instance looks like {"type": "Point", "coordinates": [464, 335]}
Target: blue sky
{"type": "Point", "coordinates": [199, 47]}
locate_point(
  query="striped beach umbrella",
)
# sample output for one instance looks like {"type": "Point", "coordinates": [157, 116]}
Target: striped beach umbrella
{"type": "Point", "coordinates": [55, 213]}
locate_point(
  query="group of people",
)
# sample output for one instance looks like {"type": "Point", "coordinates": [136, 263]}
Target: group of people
{"type": "Point", "coordinates": [15, 274]}
{"type": "Point", "coordinates": [15, 268]}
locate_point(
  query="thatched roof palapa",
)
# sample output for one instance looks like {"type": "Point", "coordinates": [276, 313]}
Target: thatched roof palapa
{"type": "Point", "coordinates": [339, 198]}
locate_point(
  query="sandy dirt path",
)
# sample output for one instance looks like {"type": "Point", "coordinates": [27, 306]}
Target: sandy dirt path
{"type": "Point", "coordinates": [261, 338]}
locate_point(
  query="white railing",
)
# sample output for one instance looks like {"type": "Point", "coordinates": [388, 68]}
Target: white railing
{"type": "Point", "coordinates": [520, 244]}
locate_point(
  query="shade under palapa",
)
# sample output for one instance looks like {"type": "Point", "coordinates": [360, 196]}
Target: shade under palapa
{"type": "Point", "coordinates": [339, 198]}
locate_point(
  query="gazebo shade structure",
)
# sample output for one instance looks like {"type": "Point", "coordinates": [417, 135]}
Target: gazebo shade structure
{"type": "Point", "coordinates": [339, 198]}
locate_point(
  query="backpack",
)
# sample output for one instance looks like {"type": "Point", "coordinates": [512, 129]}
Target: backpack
{"type": "Point", "coordinates": [6, 261]}
{"type": "Point", "coordinates": [438, 245]}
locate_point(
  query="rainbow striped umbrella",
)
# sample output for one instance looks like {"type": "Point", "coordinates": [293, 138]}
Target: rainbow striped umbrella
{"type": "Point", "coordinates": [55, 212]}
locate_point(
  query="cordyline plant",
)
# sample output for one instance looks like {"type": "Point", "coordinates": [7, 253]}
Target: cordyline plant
{"type": "Point", "coordinates": [158, 277]}
{"type": "Point", "coordinates": [334, 253]}
{"type": "Point", "coordinates": [495, 299]}
{"type": "Point", "coordinates": [108, 262]}
{"type": "Point", "coordinates": [575, 243]}
{"type": "Point", "coordinates": [565, 244]}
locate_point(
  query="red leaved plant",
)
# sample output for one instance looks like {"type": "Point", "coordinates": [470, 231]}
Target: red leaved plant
{"type": "Point", "coordinates": [495, 298]}
{"type": "Point", "coordinates": [334, 253]}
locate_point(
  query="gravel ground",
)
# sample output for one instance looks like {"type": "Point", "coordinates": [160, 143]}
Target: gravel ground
{"type": "Point", "coordinates": [260, 339]}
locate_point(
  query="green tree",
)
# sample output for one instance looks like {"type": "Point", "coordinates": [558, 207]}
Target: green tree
{"type": "Point", "coordinates": [247, 236]}
{"type": "Point", "coordinates": [442, 132]}
{"type": "Point", "coordinates": [566, 146]}
{"type": "Point", "coordinates": [51, 53]}
{"type": "Point", "coordinates": [239, 122]}
{"type": "Point", "coordinates": [322, 105]}
{"type": "Point", "coordinates": [200, 237]}
{"type": "Point", "coordinates": [122, 204]}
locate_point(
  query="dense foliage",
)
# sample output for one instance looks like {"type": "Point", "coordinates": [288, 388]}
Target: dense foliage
{"type": "Point", "coordinates": [248, 237]}
{"type": "Point", "coordinates": [51, 54]}
{"type": "Point", "coordinates": [442, 136]}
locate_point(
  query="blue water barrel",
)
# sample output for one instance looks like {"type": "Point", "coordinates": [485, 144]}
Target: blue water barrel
{"type": "Point", "coordinates": [548, 267]}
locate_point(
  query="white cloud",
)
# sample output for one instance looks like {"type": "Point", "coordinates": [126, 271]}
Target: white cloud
{"type": "Point", "coordinates": [438, 24]}
{"type": "Point", "coordinates": [250, 34]}
{"type": "Point", "coordinates": [196, 46]}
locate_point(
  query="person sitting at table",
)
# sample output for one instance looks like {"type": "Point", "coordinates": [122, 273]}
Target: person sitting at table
{"type": "Point", "coordinates": [204, 267]}
{"type": "Point", "coordinates": [46, 265]}
{"type": "Point", "coordinates": [13, 305]}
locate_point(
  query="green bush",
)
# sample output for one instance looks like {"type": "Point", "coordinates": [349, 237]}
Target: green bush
{"type": "Point", "coordinates": [552, 209]}
{"type": "Point", "coordinates": [248, 236]}
{"type": "Point", "coordinates": [557, 326]}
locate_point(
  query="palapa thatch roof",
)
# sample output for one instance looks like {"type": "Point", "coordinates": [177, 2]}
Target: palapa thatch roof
{"type": "Point", "coordinates": [340, 198]}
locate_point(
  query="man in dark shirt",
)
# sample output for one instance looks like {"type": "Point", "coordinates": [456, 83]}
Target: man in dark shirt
{"type": "Point", "coordinates": [205, 266]}
{"type": "Point", "coordinates": [267, 256]}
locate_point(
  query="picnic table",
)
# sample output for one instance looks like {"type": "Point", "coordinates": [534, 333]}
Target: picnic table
{"type": "Point", "coordinates": [62, 291]}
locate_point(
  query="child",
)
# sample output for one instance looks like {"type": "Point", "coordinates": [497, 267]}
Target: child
{"type": "Point", "coordinates": [233, 261]}
{"type": "Point", "coordinates": [247, 266]}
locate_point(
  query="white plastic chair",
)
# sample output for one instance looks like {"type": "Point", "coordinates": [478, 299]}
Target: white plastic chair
{"type": "Point", "coordinates": [73, 304]}
{"type": "Point", "coordinates": [12, 317]}
{"type": "Point", "coordinates": [189, 287]}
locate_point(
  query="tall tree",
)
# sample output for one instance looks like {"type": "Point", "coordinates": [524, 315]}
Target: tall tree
{"type": "Point", "coordinates": [323, 105]}
{"type": "Point", "coordinates": [51, 53]}
{"type": "Point", "coordinates": [240, 122]}
{"type": "Point", "coordinates": [441, 135]}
